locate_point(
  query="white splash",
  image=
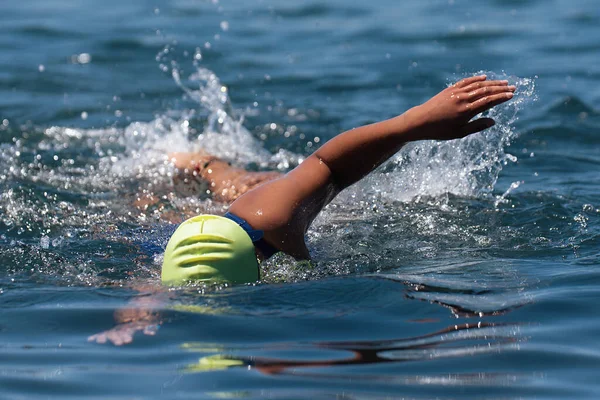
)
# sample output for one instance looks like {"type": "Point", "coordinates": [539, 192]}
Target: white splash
{"type": "Point", "coordinates": [224, 134]}
{"type": "Point", "coordinates": [465, 167]}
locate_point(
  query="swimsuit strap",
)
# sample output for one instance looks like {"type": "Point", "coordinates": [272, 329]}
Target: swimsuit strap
{"type": "Point", "coordinates": [255, 234]}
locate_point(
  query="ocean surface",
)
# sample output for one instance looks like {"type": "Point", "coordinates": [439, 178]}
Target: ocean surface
{"type": "Point", "coordinates": [459, 270]}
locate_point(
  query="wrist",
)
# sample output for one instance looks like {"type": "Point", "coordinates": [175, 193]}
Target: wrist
{"type": "Point", "coordinates": [411, 124]}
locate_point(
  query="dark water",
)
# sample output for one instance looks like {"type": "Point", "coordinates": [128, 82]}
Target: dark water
{"type": "Point", "coordinates": [459, 270]}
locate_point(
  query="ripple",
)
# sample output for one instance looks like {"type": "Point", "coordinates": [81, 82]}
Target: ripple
{"type": "Point", "coordinates": [571, 105]}
{"type": "Point", "coordinates": [41, 31]}
{"type": "Point", "coordinates": [321, 10]}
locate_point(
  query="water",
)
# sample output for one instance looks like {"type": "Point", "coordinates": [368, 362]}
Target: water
{"type": "Point", "coordinates": [458, 270]}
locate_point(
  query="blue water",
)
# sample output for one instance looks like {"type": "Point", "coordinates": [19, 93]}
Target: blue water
{"type": "Point", "coordinates": [465, 269]}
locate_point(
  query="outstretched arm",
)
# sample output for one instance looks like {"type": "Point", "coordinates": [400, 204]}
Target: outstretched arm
{"type": "Point", "coordinates": [284, 208]}
{"type": "Point", "coordinates": [353, 154]}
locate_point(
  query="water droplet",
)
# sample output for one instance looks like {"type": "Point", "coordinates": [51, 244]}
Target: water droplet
{"type": "Point", "coordinates": [41, 68]}
{"type": "Point", "coordinates": [84, 58]}
{"type": "Point", "coordinates": [224, 26]}
{"type": "Point", "coordinates": [84, 115]}
{"type": "Point", "coordinates": [588, 208]}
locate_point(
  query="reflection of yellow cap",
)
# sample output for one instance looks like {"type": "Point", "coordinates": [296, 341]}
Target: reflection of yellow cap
{"type": "Point", "coordinates": [214, 363]}
{"type": "Point", "coordinates": [209, 248]}
{"type": "Point", "coordinates": [196, 309]}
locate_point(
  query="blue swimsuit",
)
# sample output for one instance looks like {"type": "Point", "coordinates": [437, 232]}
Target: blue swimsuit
{"type": "Point", "coordinates": [255, 235]}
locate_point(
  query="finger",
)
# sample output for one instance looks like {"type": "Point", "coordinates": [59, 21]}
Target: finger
{"type": "Point", "coordinates": [488, 102]}
{"type": "Point", "coordinates": [467, 81]}
{"type": "Point", "coordinates": [151, 330]}
{"type": "Point", "coordinates": [476, 85]}
{"type": "Point", "coordinates": [115, 338]}
{"type": "Point", "coordinates": [489, 91]}
{"type": "Point", "coordinates": [477, 126]}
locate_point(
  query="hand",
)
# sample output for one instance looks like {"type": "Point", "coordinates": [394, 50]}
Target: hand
{"type": "Point", "coordinates": [129, 321]}
{"type": "Point", "coordinates": [448, 114]}
{"type": "Point", "coordinates": [123, 333]}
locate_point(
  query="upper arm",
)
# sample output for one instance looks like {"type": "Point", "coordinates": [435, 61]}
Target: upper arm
{"type": "Point", "coordinates": [285, 207]}
{"type": "Point", "coordinates": [313, 180]}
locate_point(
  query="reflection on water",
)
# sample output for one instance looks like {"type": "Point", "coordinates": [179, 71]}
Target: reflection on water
{"type": "Point", "coordinates": [455, 341]}
{"type": "Point", "coordinates": [481, 331]}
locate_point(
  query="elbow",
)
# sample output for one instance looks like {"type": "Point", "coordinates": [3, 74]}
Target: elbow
{"type": "Point", "coordinates": [335, 182]}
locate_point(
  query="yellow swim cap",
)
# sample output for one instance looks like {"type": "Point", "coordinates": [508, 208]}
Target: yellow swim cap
{"type": "Point", "coordinates": [209, 248]}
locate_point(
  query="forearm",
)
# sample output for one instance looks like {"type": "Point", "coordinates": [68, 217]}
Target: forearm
{"type": "Point", "coordinates": [225, 181]}
{"type": "Point", "coordinates": [142, 306]}
{"type": "Point", "coordinates": [355, 153]}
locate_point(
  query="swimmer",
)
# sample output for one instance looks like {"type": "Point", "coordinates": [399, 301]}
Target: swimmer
{"type": "Point", "coordinates": [271, 212]}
